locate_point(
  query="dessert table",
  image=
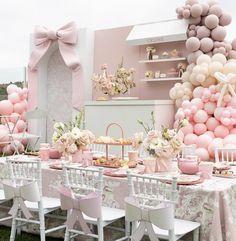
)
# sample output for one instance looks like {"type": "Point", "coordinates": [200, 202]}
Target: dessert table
{"type": "Point", "coordinates": [211, 202]}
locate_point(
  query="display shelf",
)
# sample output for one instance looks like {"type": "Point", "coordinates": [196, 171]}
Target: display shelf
{"type": "Point", "coordinates": [162, 60]}
{"type": "Point", "coordinates": [162, 79]}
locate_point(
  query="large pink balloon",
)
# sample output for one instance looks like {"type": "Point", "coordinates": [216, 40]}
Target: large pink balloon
{"type": "Point", "coordinates": [11, 88]}
{"type": "Point", "coordinates": [192, 57]}
{"type": "Point", "coordinates": [7, 150]}
{"type": "Point", "coordinates": [14, 98]}
{"type": "Point", "coordinates": [200, 116]}
{"type": "Point", "coordinates": [225, 19]}
{"type": "Point", "coordinates": [21, 125]}
{"type": "Point", "coordinates": [217, 113]}
{"type": "Point", "coordinates": [218, 33]}
{"type": "Point", "coordinates": [6, 107]}
{"type": "Point", "coordinates": [203, 32]}
{"type": "Point", "coordinates": [190, 139]}
{"type": "Point", "coordinates": [230, 139]}
{"type": "Point", "coordinates": [199, 128]}
{"type": "Point", "coordinates": [211, 21]}
{"type": "Point", "coordinates": [210, 107]}
{"type": "Point", "coordinates": [216, 9]}
{"type": "Point", "coordinates": [203, 141]}
{"type": "Point", "coordinates": [206, 45]}
{"type": "Point", "coordinates": [205, 8]}
{"type": "Point", "coordinates": [197, 102]}
{"type": "Point", "coordinates": [14, 117]}
{"type": "Point", "coordinates": [221, 131]}
{"type": "Point", "coordinates": [192, 44]}
{"type": "Point", "coordinates": [212, 123]}
{"type": "Point", "coordinates": [203, 154]}
{"type": "Point", "coordinates": [187, 129]}
{"type": "Point", "coordinates": [19, 108]}
{"type": "Point", "coordinates": [196, 10]}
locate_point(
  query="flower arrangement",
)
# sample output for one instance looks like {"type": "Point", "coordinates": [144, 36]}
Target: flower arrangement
{"type": "Point", "coordinates": [68, 138]}
{"type": "Point", "coordinates": [165, 143]}
{"type": "Point", "coordinates": [119, 83]}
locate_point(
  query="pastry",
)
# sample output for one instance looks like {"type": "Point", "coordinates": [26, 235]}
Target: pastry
{"type": "Point", "coordinates": [165, 55]}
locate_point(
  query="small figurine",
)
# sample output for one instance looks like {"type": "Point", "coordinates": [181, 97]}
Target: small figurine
{"type": "Point", "coordinates": [150, 51]}
{"type": "Point", "coordinates": [149, 74]}
{"type": "Point", "coordinates": [157, 74]}
{"type": "Point", "coordinates": [174, 53]}
{"type": "Point", "coordinates": [165, 55]}
{"type": "Point", "coordinates": [181, 67]}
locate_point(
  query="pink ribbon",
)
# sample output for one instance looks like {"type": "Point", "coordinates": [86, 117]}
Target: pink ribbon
{"type": "Point", "coordinates": [147, 217]}
{"type": "Point", "coordinates": [66, 38]}
{"type": "Point", "coordinates": [29, 192]}
{"type": "Point", "coordinates": [90, 205]}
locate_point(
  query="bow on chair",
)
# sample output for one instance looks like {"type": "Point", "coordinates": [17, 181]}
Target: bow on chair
{"type": "Point", "coordinates": [90, 205]}
{"type": "Point", "coordinates": [147, 217]}
{"type": "Point", "coordinates": [66, 38]}
{"type": "Point", "coordinates": [28, 192]}
{"type": "Point", "coordinates": [226, 83]}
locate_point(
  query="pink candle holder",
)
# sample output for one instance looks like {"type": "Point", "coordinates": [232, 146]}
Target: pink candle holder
{"type": "Point", "coordinates": [44, 153]}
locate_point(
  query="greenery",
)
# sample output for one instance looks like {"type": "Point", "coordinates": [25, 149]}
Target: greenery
{"type": "Point", "coordinates": [5, 236]}
{"type": "Point", "coordinates": [146, 126]}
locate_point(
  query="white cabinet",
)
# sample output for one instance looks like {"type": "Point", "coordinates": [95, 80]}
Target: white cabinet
{"type": "Point", "coordinates": [99, 114]}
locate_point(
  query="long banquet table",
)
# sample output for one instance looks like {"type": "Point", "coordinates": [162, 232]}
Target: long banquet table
{"type": "Point", "coordinates": [211, 203]}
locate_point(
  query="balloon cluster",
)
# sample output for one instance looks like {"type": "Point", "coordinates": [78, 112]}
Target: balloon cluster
{"type": "Point", "coordinates": [206, 32]}
{"type": "Point", "coordinates": [14, 107]}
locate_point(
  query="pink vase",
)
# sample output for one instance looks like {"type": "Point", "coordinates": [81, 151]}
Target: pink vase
{"type": "Point", "coordinates": [164, 164]}
{"type": "Point", "coordinates": [77, 157]}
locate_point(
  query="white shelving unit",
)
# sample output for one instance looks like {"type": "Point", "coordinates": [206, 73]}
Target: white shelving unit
{"type": "Point", "coordinates": [162, 60]}
{"type": "Point", "coordinates": [162, 79]}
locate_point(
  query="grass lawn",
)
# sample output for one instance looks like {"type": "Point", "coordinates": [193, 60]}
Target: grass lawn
{"type": "Point", "coordinates": [5, 236]}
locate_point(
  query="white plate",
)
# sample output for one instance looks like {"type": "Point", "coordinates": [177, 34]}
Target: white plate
{"type": "Point", "coordinates": [125, 98]}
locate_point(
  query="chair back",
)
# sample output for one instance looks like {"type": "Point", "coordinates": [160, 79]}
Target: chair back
{"type": "Point", "coordinates": [225, 154]}
{"type": "Point", "coordinates": [83, 180]}
{"type": "Point", "coordinates": [98, 149]}
{"type": "Point", "coordinates": [150, 190]}
{"type": "Point", "coordinates": [25, 170]}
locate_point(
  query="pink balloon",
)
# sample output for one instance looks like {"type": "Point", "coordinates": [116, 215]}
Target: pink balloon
{"type": "Point", "coordinates": [216, 143]}
{"type": "Point", "coordinates": [203, 141]}
{"type": "Point", "coordinates": [193, 109]}
{"type": "Point", "coordinates": [6, 107]}
{"type": "Point", "coordinates": [205, 8]}
{"type": "Point", "coordinates": [19, 108]}
{"type": "Point", "coordinates": [197, 102]}
{"type": "Point", "coordinates": [196, 10]}
{"type": "Point", "coordinates": [225, 19]}
{"type": "Point", "coordinates": [21, 125]}
{"type": "Point", "coordinates": [179, 115]}
{"type": "Point", "coordinates": [211, 21]}
{"type": "Point", "coordinates": [216, 9]}
{"type": "Point", "coordinates": [12, 127]}
{"type": "Point", "coordinates": [206, 44]}
{"type": "Point", "coordinates": [203, 154]}
{"type": "Point", "coordinates": [203, 32]}
{"type": "Point", "coordinates": [200, 116]}
{"type": "Point", "coordinates": [230, 139]}
{"type": "Point", "coordinates": [192, 57]}
{"type": "Point", "coordinates": [226, 121]}
{"type": "Point", "coordinates": [186, 104]}
{"type": "Point", "coordinates": [21, 92]}
{"type": "Point", "coordinates": [190, 139]}
{"type": "Point", "coordinates": [192, 44]}
{"type": "Point", "coordinates": [210, 107]}
{"type": "Point", "coordinates": [3, 136]}
{"type": "Point", "coordinates": [207, 93]}
{"type": "Point", "coordinates": [7, 150]}
{"type": "Point", "coordinates": [25, 90]}
{"type": "Point", "coordinates": [225, 114]}
{"type": "Point", "coordinates": [218, 33]}
{"type": "Point", "coordinates": [14, 98]}
{"type": "Point", "coordinates": [221, 131]}
{"type": "Point", "coordinates": [233, 131]}
{"type": "Point", "coordinates": [197, 92]}
{"type": "Point", "coordinates": [227, 98]}
{"type": "Point", "coordinates": [11, 88]}
{"type": "Point", "coordinates": [212, 123]}
{"type": "Point", "coordinates": [187, 129]}
{"type": "Point", "coordinates": [210, 133]}
{"type": "Point", "coordinates": [199, 128]}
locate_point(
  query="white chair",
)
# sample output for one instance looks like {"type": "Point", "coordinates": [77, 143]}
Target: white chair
{"type": "Point", "coordinates": [98, 149]}
{"type": "Point", "coordinates": [226, 155]}
{"type": "Point", "coordinates": [29, 171]}
{"type": "Point", "coordinates": [36, 117]}
{"type": "Point", "coordinates": [83, 181]}
{"type": "Point", "coordinates": [150, 208]}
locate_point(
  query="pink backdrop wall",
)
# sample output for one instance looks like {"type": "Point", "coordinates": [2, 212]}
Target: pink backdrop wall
{"type": "Point", "coordinates": [109, 47]}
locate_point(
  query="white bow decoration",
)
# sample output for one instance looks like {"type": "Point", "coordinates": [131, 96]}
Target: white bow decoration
{"type": "Point", "coordinates": [147, 217]}
{"type": "Point", "coordinates": [29, 192]}
{"type": "Point", "coordinates": [226, 83]}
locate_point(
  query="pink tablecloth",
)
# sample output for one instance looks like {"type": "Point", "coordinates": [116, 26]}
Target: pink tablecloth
{"type": "Point", "coordinates": [211, 203]}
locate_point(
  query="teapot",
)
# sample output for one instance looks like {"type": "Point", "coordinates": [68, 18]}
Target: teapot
{"type": "Point", "coordinates": [189, 164]}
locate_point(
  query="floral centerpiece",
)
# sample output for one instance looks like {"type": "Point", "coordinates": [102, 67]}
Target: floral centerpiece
{"type": "Point", "coordinates": [162, 145]}
{"type": "Point", "coordinates": [119, 83]}
{"type": "Point", "coordinates": [69, 138]}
